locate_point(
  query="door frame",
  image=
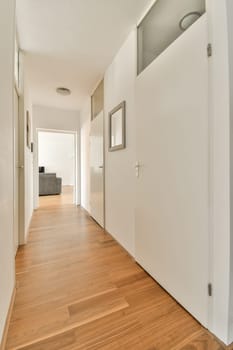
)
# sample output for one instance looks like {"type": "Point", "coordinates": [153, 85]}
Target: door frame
{"type": "Point", "coordinates": [211, 188]}
{"type": "Point", "coordinates": [16, 175]}
{"type": "Point", "coordinates": [104, 160]}
{"type": "Point", "coordinates": [77, 172]}
{"type": "Point", "coordinates": [219, 216]}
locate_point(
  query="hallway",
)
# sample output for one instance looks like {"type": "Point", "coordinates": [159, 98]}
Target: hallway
{"type": "Point", "coordinates": [78, 289]}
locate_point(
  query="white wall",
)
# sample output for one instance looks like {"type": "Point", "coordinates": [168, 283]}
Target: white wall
{"type": "Point", "coordinates": [55, 118]}
{"type": "Point", "coordinates": [85, 154]}
{"type": "Point", "coordinates": [51, 118]}
{"type": "Point", "coordinates": [7, 271]}
{"type": "Point", "coordinates": [119, 85]}
{"type": "Point", "coordinates": [28, 155]}
{"type": "Point", "coordinates": [56, 153]}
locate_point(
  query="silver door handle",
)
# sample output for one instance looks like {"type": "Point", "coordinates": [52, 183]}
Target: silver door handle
{"type": "Point", "coordinates": [137, 168]}
{"type": "Point", "coordinates": [101, 167]}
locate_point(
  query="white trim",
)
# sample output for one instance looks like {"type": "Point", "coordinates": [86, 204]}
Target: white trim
{"type": "Point", "coordinates": [211, 174]}
{"type": "Point", "coordinates": [57, 131]}
{"type": "Point", "coordinates": [16, 90]}
{"type": "Point", "coordinates": [15, 172]}
{"type": "Point", "coordinates": [96, 86]}
{"type": "Point", "coordinates": [16, 52]}
{"type": "Point", "coordinates": [145, 13]}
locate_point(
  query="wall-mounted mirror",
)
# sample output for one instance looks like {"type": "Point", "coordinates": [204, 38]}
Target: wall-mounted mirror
{"type": "Point", "coordinates": [117, 128]}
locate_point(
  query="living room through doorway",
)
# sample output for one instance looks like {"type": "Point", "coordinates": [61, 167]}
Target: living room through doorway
{"type": "Point", "coordinates": [57, 165]}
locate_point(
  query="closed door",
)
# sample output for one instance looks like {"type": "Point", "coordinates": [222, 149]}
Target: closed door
{"type": "Point", "coordinates": [172, 158]}
{"type": "Point", "coordinates": [97, 169]}
{"type": "Point", "coordinates": [16, 171]}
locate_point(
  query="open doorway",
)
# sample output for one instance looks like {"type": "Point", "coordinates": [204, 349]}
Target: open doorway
{"type": "Point", "coordinates": [57, 166]}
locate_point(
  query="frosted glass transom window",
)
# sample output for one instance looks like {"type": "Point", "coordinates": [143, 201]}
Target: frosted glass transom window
{"type": "Point", "coordinates": [164, 23]}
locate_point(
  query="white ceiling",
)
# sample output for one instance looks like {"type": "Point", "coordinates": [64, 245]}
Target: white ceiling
{"type": "Point", "coordinates": [70, 43]}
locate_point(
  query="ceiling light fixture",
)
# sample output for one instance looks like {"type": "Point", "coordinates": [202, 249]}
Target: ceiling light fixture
{"type": "Point", "coordinates": [63, 91]}
{"type": "Point", "coordinates": [188, 20]}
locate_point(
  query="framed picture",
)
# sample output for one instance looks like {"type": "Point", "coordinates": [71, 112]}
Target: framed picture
{"type": "Point", "coordinates": [28, 130]}
{"type": "Point", "coordinates": [117, 137]}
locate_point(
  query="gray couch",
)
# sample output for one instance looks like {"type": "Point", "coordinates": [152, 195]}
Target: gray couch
{"type": "Point", "coordinates": [49, 184]}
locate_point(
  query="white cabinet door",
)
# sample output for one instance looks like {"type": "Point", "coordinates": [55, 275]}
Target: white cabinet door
{"type": "Point", "coordinates": [172, 186]}
{"type": "Point", "coordinates": [97, 169]}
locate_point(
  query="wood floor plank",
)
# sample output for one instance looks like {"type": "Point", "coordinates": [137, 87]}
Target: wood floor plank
{"type": "Point", "coordinates": [97, 306]}
{"type": "Point", "coordinates": [204, 341]}
{"type": "Point", "coordinates": [78, 289]}
{"type": "Point", "coordinates": [60, 341]}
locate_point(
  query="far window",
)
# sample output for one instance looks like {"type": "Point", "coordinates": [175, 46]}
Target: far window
{"type": "Point", "coordinates": [164, 23]}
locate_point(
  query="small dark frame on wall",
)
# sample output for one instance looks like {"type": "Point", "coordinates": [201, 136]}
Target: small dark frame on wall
{"type": "Point", "coordinates": [28, 130]}
{"type": "Point", "coordinates": [117, 136]}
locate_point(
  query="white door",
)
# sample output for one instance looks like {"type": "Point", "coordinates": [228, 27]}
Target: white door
{"type": "Point", "coordinates": [172, 186]}
{"type": "Point", "coordinates": [16, 171]}
{"type": "Point", "coordinates": [97, 169]}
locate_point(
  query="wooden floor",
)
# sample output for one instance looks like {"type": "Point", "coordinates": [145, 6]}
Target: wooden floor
{"type": "Point", "coordinates": [66, 198]}
{"type": "Point", "coordinates": [77, 289]}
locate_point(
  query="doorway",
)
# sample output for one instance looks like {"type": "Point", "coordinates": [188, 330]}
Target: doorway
{"type": "Point", "coordinates": [57, 165]}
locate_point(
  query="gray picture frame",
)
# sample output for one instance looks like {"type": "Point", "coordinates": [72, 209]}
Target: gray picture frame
{"type": "Point", "coordinates": [122, 145]}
